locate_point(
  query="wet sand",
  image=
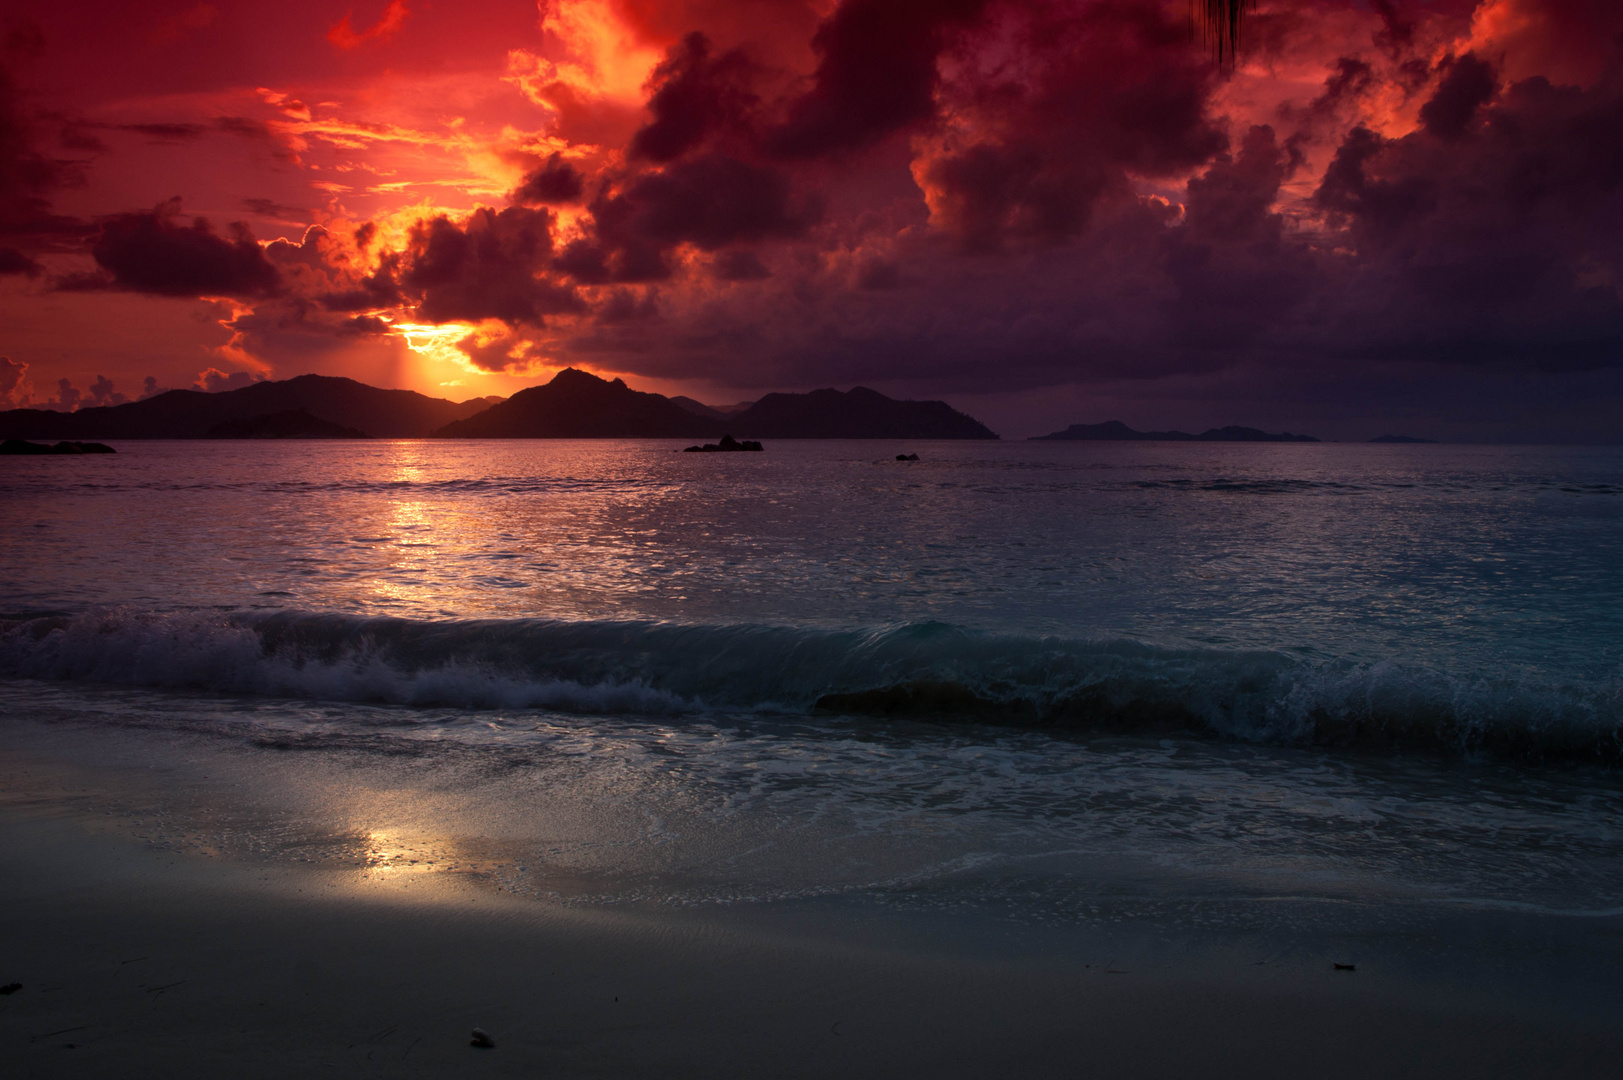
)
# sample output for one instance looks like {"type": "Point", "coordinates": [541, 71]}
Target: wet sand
{"type": "Point", "coordinates": [137, 961]}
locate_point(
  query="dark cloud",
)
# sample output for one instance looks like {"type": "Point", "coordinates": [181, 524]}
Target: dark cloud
{"type": "Point", "coordinates": [554, 182]}
{"type": "Point", "coordinates": [366, 324]}
{"type": "Point", "coordinates": [272, 209]}
{"type": "Point", "coordinates": [710, 202]}
{"type": "Point", "coordinates": [1232, 202]}
{"type": "Point", "coordinates": [164, 133]}
{"type": "Point", "coordinates": [590, 263]}
{"type": "Point", "coordinates": [879, 274]}
{"type": "Point", "coordinates": [330, 270]}
{"type": "Point", "coordinates": [78, 136]}
{"type": "Point", "coordinates": [13, 261]}
{"type": "Point", "coordinates": [1108, 92]}
{"type": "Point", "coordinates": [1467, 85]}
{"type": "Point", "coordinates": [154, 252]}
{"type": "Point", "coordinates": [1377, 207]}
{"type": "Point", "coordinates": [627, 306]}
{"type": "Point", "coordinates": [1490, 239]}
{"type": "Point", "coordinates": [67, 397]}
{"type": "Point", "coordinates": [695, 95]}
{"type": "Point", "coordinates": [877, 74]}
{"type": "Point", "coordinates": [1493, 240]}
{"type": "Point", "coordinates": [29, 178]}
{"type": "Point", "coordinates": [488, 267]}
{"type": "Point", "coordinates": [1349, 81]}
{"type": "Point", "coordinates": [739, 265]}
{"type": "Point", "coordinates": [243, 126]}
{"type": "Point", "coordinates": [1396, 31]}
{"type": "Point", "coordinates": [1236, 274]}
{"type": "Point", "coordinates": [102, 392]}
{"type": "Point", "coordinates": [374, 291]}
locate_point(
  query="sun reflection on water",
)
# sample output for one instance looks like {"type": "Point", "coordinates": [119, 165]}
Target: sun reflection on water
{"type": "Point", "coordinates": [389, 854]}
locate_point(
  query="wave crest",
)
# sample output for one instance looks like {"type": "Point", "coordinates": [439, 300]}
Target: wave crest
{"type": "Point", "coordinates": [928, 671]}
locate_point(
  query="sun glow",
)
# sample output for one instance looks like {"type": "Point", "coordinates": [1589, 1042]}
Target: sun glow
{"type": "Point", "coordinates": [604, 60]}
{"type": "Point", "coordinates": [606, 56]}
{"type": "Point", "coordinates": [437, 342]}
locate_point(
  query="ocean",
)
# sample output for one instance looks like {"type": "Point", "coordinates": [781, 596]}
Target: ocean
{"type": "Point", "coordinates": [1043, 684]}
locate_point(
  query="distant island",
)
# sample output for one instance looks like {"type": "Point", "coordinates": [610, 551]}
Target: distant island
{"type": "Point", "coordinates": [574, 405]}
{"type": "Point", "coordinates": [23, 448]}
{"type": "Point", "coordinates": [858, 413]}
{"type": "Point", "coordinates": [579, 405]}
{"type": "Point", "coordinates": [714, 412]}
{"type": "Point", "coordinates": [263, 410]}
{"type": "Point", "coordinates": [293, 424]}
{"type": "Point", "coordinates": [1116, 431]}
{"type": "Point", "coordinates": [1400, 439]}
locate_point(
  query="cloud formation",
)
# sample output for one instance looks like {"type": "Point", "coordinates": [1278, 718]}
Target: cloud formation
{"type": "Point", "coordinates": [155, 252]}
{"type": "Point", "coordinates": [15, 391]}
{"type": "Point", "coordinates": [997, 197]}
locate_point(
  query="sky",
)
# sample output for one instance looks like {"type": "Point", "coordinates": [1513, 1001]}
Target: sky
{"type": "Point", "coordinates": [1387, 216]}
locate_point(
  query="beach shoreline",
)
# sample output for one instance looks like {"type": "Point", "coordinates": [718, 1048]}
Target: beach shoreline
{"type": "Point", "coordinates": [147, 960]}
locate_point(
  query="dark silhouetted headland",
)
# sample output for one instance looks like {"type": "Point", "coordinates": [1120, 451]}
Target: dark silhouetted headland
{"type": "Point", "coordinates": [193, 414]}
{"type": "Point", "coordinates": [574, 405]}
{"type": "Point", "coordinates": [710, 412]}
{"type": "Point", "coordinates": [22, 448]}
{"type": "Point", "coordinates": [857, 414]}
{"type": "Point", "coordinates": [1116, 431]}
{"type": "Point", "coordinates": [579, 405]}
{"type": "Point", "coordinates": [292, 424]}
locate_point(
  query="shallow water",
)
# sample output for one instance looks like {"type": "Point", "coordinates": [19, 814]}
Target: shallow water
{"type": "Point", "coordinates": [1062, 680]}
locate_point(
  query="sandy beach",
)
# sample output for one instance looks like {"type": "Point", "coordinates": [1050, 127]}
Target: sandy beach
{"type": "Point", "coordinates": [138, 958]}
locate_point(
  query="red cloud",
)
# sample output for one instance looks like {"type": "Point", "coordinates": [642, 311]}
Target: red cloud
{"type": "Point", "coordinates": [344, 36]}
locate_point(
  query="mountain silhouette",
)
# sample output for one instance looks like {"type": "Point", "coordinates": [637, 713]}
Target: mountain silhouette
{"type": "Point", "coordinates": [193, 414]}
{"type": "Point", "coordinates": [859, 413]}
{"type": "Point", "coordinates": [579, 405]}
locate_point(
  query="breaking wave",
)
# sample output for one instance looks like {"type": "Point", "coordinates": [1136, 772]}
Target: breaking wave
{"type": "Point", "coordinates": [927, 671]}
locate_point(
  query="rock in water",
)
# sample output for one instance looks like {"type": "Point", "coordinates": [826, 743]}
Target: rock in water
{"type": "Point", "coordinates": [481, 1038]}
{"type": "Point", "coordinates": [728, 443]}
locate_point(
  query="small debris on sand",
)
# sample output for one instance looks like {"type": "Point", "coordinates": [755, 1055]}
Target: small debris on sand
{"type": "Point", "coordinates": [1345, 967]}
{"type": "Point", "coordinates": [481, 1038]}
{"type": "Point", "coordinates": [10, 988]}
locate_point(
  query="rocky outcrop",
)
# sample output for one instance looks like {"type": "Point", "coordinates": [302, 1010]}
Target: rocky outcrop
{"type": "Point", "coordinates": [726, 445]}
